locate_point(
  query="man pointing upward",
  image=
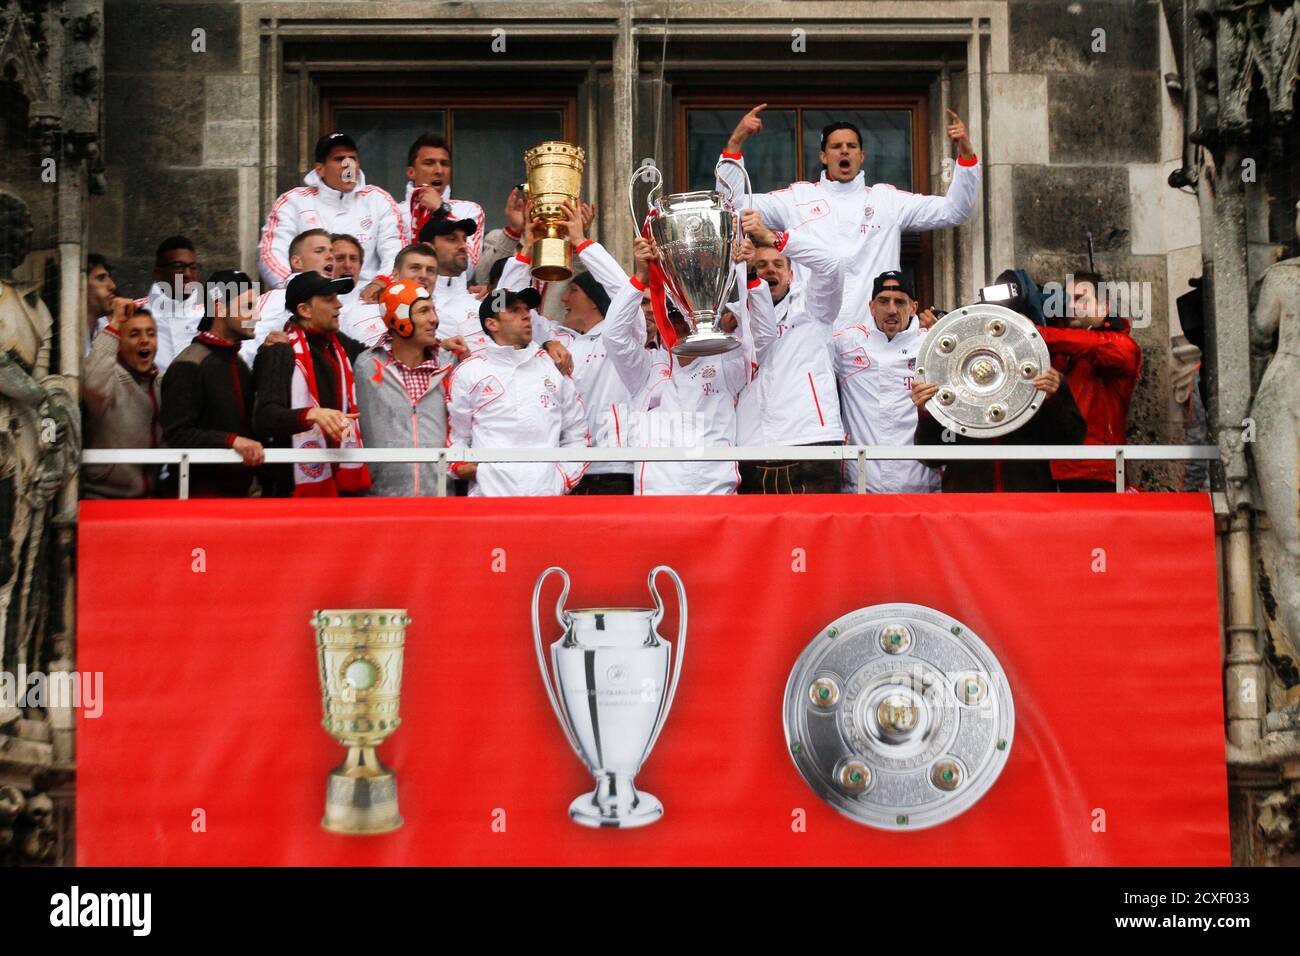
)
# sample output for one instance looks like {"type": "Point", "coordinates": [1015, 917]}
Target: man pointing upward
{"type": "Point", "coordinates": [863, 224]}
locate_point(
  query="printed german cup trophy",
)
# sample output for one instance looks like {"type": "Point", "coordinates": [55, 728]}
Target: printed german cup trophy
{"type": "Point", "coordinates": [360, 663]}
{"type": "Point", "coordinates": [697, 234]}
{"type": "Point", "coordinates": [554, 178]}
{"type": "Point", "coordinates": [611, 693]}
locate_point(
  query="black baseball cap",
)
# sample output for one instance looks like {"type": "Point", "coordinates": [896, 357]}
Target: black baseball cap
{"type": "Point", "coordinates": [304, 286]}
{"type": "Point", "coordinates": [527, 296]}
{"type": "Point", "coordinates": [441, 224]}
{"type": "Point", "coordinates": [895, 276]}
{"type": "Point", "coordinates": [331, 140]}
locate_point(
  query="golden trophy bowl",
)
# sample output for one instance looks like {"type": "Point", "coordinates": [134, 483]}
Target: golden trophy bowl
{"type": "Point", "coordinates": [360, 662]}
{"type": "Point", "coordinates": [554, 177]}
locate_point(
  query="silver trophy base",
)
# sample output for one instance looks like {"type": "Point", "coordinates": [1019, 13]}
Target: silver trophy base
{"type": "Point", "coordinates": [615, 803]}
{"type": "Point", "coordinates": [701, 343]}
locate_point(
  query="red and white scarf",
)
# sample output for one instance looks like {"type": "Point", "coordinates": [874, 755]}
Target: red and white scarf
{"type": "Point", "coordinates": [322, 479]}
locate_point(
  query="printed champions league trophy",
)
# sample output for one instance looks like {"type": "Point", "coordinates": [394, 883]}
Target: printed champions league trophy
{"type": "Point", "coordinates": [360, 663]}
{"type": "Point", "coordinates": [554, 178]}
{"type": "Point", "coordinates": [697, 233]}
{"type": "Point", "coordinates": [611, 694]}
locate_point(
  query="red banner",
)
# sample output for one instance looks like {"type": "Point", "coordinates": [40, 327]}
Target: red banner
{"type": "Point", "coordinates": [1101, 608]}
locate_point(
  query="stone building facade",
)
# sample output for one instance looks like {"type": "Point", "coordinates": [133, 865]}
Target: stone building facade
{"type": "Point", "coordinates": [1066, 103]}
{"type": "Point", "coordinates": [1096, 116]}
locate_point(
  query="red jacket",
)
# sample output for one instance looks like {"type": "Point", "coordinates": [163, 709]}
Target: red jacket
{"type": "Point", "coordinates": [1102, 368]}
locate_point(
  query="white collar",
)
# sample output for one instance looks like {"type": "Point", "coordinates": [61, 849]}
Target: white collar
{"type": "Point", "coordinates": [857, 183]}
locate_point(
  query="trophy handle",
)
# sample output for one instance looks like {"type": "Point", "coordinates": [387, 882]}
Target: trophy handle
{"type": "Point", "coordinates": [678, 650]}
{"type": "Point", "coordinates": [642, 172]}
{"type": "Point", "coordinates": [749, 186]}
{"type": "Point", "coordinates": [551, 694]}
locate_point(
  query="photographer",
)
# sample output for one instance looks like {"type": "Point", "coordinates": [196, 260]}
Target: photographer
{"type": "Point", "coordinates": [1101, 362]}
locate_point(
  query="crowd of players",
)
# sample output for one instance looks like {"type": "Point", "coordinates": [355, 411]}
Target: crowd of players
{"type": "Point", "coordinates": [382, 325]}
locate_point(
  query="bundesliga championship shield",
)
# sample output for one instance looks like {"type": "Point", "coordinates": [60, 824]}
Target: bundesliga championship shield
{"type": "Point", "coordinates": [984, 358]}
{"type": "Point", "coordinates": [898, 716]}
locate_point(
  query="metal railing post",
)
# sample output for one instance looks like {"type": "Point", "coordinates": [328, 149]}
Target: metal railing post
{"type": "Point", "coordinates": [442, 473]}
{"type": "Point", "coordinates": [1119, 469]}
{"type": "Point", "coordinates": [862, 471]}
{"type": "Point", "coordinates": [183, 479]}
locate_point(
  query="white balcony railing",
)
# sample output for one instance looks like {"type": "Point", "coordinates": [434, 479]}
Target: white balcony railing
{"type": "Point", "coordinates": [441, 458]}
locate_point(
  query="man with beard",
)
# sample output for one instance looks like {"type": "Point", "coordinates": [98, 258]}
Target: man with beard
{"type": "Point", "coordinates": [862, 224]}
{"type": "Point", "coordinates": [428, 169]}
{"type": "Point", "coordinates": [450, 240]}
{"type": "Point", "coordinates": [175, 299]}
{"type": "Point", "coordinates": [1101, 362]}
{"type": "Point", "coordinates": [120, 390]}
{"type": "Point", "coordinates": [207, 393]}
{"type": "Point", "coordinates": [876, 363]}
{"type": "Point", "coordinates": [100, 292]}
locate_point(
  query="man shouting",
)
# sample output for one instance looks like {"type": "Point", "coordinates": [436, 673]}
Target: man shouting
{"type": "Point", "coordinates": [864, 224]}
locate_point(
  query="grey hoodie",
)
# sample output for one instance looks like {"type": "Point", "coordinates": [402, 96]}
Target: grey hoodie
{"type": "Point", "coordinates": [389, 420]}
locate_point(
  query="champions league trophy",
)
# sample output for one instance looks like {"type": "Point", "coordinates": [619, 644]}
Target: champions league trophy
{"type": "Point", "coordinates": [554, 178]}
{"type": "Point", "coordinates": [696, 233]}
{"type": "Point", "coordinates": [612, 694]}
{"type": "Point", "coordinates": [361, 680]}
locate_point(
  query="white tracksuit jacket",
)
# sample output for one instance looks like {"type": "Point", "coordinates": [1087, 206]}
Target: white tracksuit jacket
{"type": "Point", "coordinates": [503, 397]}
{"type": "Point", "coordinates": [178, 322]}
{"type": "Point", "coordinates": [367, 212]}
{"type": "Point", "coordinates": [604, 395]}
{"type": "Point", "coordinates": [271, 315]}
{"type": "Point", "coordinates": [459, 209]}
{"type": "Point", "coordinates": [876, 398]}
{"type": "Point", "coordinates": [363, 321]}
{"type": "Point", "coordinates": [862, 224]}
{"type": "Point", "coordinates": [793, 399]}
{"type": "Point", "coordinates": [457, 308]}
{"type": "Point", "coordinates": [676, 406]}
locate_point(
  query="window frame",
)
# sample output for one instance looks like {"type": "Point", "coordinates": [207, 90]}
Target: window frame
{"type": "Point", "coordinates": [413, 99]}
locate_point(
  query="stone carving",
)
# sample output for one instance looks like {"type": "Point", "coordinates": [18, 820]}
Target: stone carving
{"type": "Point", "coordinates": [40, 445]}
{"type": "Point", "coordinates": [1276, 449]}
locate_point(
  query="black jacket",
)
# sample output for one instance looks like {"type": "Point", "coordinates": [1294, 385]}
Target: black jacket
{"type": "Point", "coordinates": [207, 402]}
{"type": "Point", "coordinates": [1058, 422]}
{"type": "Point", "coordinates": [275, 420]}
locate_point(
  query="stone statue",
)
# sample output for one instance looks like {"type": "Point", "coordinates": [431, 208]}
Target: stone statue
{"type": "Point", "coordinates": [1276, 449]}
{"type": "Point", "coordinates": [40, 447]}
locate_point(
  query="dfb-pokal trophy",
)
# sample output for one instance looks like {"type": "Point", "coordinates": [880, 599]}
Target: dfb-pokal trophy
{"type": "Point", "coordinates": [360, 662]}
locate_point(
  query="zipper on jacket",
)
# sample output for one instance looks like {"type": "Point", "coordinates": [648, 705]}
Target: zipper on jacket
{"type": "Point", "coordinates": [415, 439]}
